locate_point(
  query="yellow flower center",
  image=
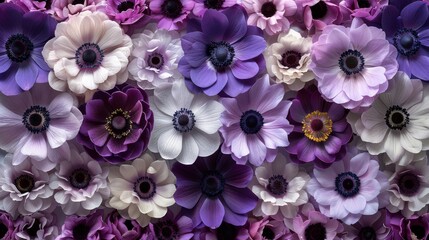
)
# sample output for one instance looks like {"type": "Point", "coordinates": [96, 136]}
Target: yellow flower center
{"type": "Point", "coordinates": [317, 126]}
{"type": "Point", "coordinates": [119, 124]}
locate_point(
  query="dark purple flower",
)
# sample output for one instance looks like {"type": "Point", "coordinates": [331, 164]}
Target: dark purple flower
{"type": "Point", "coordinates": [7, 230]}
{"type": "Point", "coordinates": [408, 31]}
{"type": "Point", "coordinates": [172, 227]}
{"type": "Point", "coordinates": [369, 227]}
{"type": "Point", "coordinates": [268, 228]}
{"type": "Point", "coordinates": [38, 226]}
{"type": "Point", "coordinates": [22, 37]}
{"type": "Point", "coordinates": [123, 228]}
{"type": "Point", "coordinates": [117, 124]}
{"type": "Point", "coordinates": [321, 131]}
{"type": "Point", "coordinates": [224, 231]}
{"type": "Point", "coordinates": [413, 228]}
{"type": "Point", "coordinates": [222, 53]}
{"type": "Point", "coordinates": [215, 187]}
{"type": "Point", "coordinates": [125, 12]}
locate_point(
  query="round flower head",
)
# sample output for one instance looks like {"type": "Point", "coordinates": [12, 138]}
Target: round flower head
{"type": "Point", "coordinates": [142, 190]}
{"type": "Point", "coordinates": [186, 125]}
{"type": "Point", "coordinates": [117, 124]}
{"type": "Point", "coordinates": [353, 65]}
{"type": "Point", "coordinates": [408, 31]}
{"type": "Point", "coordinates": [350, 188]}
{"type": "Point", "coordinates": [171, 13]}
{"type": "Point", "coordinates": [38, 226]}
{"type": "Point", "coordinates": [7, 225]}
{"type": "Point", "coordinates": [396, 123]}
{"type": "Point", "coordinates": [366, 9]}
{"type": "Point", "coordinates": [368, 227]}
{"type": "Point", "coordinates": [62, 9]}
{"type": "Point", "coordinates": [38, 123]}
{"type": "Point", "coordinates": [201, 6]}
{"type": "Point", "coordinates": [288, 60]}
{"type": "Point", "coordinates": [96, 58]}
{"type": "Point", "coordinates": [317, 14]}
{"type": "Point", "coordinates": [155, 57]}
{"type": "Point", "coordinates": [254, 123]}
{"type": "Point", "coordinates": [125, 12]}
{"type": "Point", "coordinates": [280, 186]}
{"type": "Point", "coordinates": [270, 15]}
{"type": "Point", "coordinates": [321, 131]}
{"type": "Point", "coordinates": [215, 189]}
{"type": "Point", "coordinates": [80, 184]}
{"type": "Point", "coordinates": [24, 189]}
{"type": "Point", "coordinates": [122, 228]}
{"type": "Point", "coordinates": [172, 227]}
{"type": "Point", "coordinates": [22, 38]}
{"type": "Point", "coordinates": [222, 54]}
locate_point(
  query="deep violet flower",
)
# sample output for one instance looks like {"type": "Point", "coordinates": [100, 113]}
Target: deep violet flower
{"type": "Point", "coordinates": [268, 228]}
{"type": "Point", "coordinates": [222, 53]}
{"type": "Point", "coordinates": [366, 9]}
{"type": "Point", "coordinates": [122, 228]}
{"type": "Point", "coordinates": [321, 131]}
{"type": "Point", "coordinates": [215, 188]}
{"type": "Point", "coordinates": [8, 230]}
{"type": "Point", "coordinates": [125, 12]}
{"type": "Point", "coordinates": [172, 226]}
{"type": "Point", "coordinates": [413, 228]}
{"type": "Point", "coordinates": [22, 37]}
{"type": "Point", "coordinates": [117, 124]}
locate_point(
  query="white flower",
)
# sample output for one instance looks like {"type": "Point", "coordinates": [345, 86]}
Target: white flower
{"type": "Point", "coordinates": [186, 125]}
{"type": "Point", "coordinates": [88, 52]}
{"type": "Point", "coordinates": [155, 57]}
{"type": "Point", "coordinates": [23, 188]}
{"type": "Point", "coordinates": [281, 187]}
{"type": "Point", "coordinates": [142, 190]}
{"type": "Point", "coordinates": [397, 122]}
{"type": "Point", "coordinates": [288, 60]}
{"type": "Point", "coordinates": [80, 184]}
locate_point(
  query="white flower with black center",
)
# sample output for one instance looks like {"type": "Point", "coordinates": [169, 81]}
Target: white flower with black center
{"type": "Point", "coordinates": [186, 125]}
{"type": "Point", "coordinates": [397, 123]}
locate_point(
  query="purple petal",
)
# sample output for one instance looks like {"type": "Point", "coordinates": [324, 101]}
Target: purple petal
{"type": "Point", "coordinates": [419, 65]}
{"type": "Point", "coordinates": [134, 136]}
{"type": "Point", "coordinates": [222, 80]}
{"type": "Point", "coordinates": [196, 56]}
{"type": "Point", "coordinates": [249, 47]}
{"type": "Point", "coordinates": [187, 196]}
{"type": "Point", "coordinates": [98, 135]}
{"type": "Point", "coordinates": [12, 15]}
{"type": "Point", "coordinates": [38, 58]}
{"type": "Point", "coordinates": [424, 37]}
{"type": "Point", "coordinates": [239, 200]}
{"type": "Point", "coordinates": [237, 24]}
{"type": "Point", "coordinates": [234, 218]}
{"type": "Point", "coordinates": [214, 25]}
{"type": "Point", "coordinates": [244, 70]}
{"type": "Point", "coordinates": [116, 145]}
{"type": "Point", "coordinates": [203, 76]}
{"type": "Point", "coordinates": [39, 27]}
{"type": "Point", "coordinates": [118, 100]}
{"type": "Point", "coordinates": [96, 111]}
{"type": "Point", "coordinates": [415, 15]}
{"type": "Point", "coordinates": [26, 75]}
{"type": "Point", "coordinates": [184, 67]}
{"type": "Point", "coordinates": [8, 84]}
{"type": "Point", "coordinates": [5, 63]}
{"type": "Point", "coordinates": [233, 86]}
{"type": "Point", "coordinates": [212, 212]}
{"type": "Point", "coordinates": [306, 151]}
{"type": "Point", "coordinates": [238, 176]}
{"type": "Point", "coordinates": [190, 38]}
{"type": "Point", "coordinates": [389, 20]}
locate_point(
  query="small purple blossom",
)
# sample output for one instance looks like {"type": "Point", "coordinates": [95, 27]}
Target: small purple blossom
{"type": "Point", "coordinates": [172, 226]}
{"type": "Point", "coordinates": [125, 12]}
{"type": "Point", "coordinates": [8, 231]}
{"type": "Point", "coordinates": [126, 229]}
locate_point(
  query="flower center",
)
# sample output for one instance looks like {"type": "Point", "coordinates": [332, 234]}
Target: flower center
{"type": "Point", "coordinates": [24, 183]}
{"type": "Point", "coordinates": [317, 126]}
{"type": "Point", "coordinates": [220, 54]}
{"type": "Point", "coordinates": [89, 56]}
{"type": "Point", "coordinates": [227, 231]}
{"type": "Point", "coordinates": [396, 117]}
{"type": "Point", "coordinates": [277, 185]}
{"type": "Point", "coordinates": [81, 231]}
{"type": "Point", "coordinates": [291, 59]}
{"type": "Point", "coordinates": [408, 183]}
{"type": "Point", "coordinates": [3, 230]}
{"type": "Point", "coordinates": [155, 60]}
{"type": "Point", "coordinates": [19, 48]}
{"type": "Point", "coordinates": [36, 119]}
{"type": "Point", "coordinates": [119, 124]}
{"type": "Point", "coordinates": [124, 6]}
{"type": "Point", "coordinates": [80, 178]}
{"type": "Point", "coordinates": [268, 233]}
{"type": "Point", "coordinates": [367, 233]}
{"type": "Point", "coordinates": [364, 3]}
{"type": "Point", "coordinates": [129, 224]}
{"type": "Point", "coordinates": [315, 232]}
{"type": "Point", "coordinates": [183, 120]}
{"type": "Point", "coordinates": [145, 187]}
{"type": "Point", "coordinates": [32, 231]}
{"type": "Point", "coordinates": [214, 4]}
{"type": "Point", "coordinates": [172, 8]}
{"type": "Point", "coordinates": [76, 2]}
{"type": "Point", "coordinates": [212, 184]}
{"type": "Point", "coordinates": [166, 230]}
{"type": "Point", "coordinates": [268, 9]}
{"type": "Point", "coordinates": [418, 231]}
{"type": "Point", "coordinates": [251, 122]}
{"type": "Point", "coordinates": [319, 10]}
{"type": "Point", "coordinates": [351, 62]}
{"type": "Point", "coordinates": [407, 42]}
{"type": "Point", "coordinates": [347, 184]}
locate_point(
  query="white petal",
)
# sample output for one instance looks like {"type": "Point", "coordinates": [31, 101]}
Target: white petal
{"type": "Point", "coordinates": [189, 150]}
{"type": "Point", "coordinates": [92, 203]}
{"type": "Point", "coordinates": [35, 146]}
{"type": "Point", "coordinates": [207, 143]}
{"type": "Point", "coordinates": [207, 116]}
{"type": "Point", "coordinates": [170, 144]}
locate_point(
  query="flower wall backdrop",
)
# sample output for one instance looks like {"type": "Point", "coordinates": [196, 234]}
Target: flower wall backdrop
{"type": "Point", "coordinates": [214, 119]}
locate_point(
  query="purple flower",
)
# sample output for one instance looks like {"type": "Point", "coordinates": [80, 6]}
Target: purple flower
{"type": "Point", "coordinates": [33, 5]}
{"type": "Point", "coordinates": [408, 31]}
{"type": "Point", "coordinates": [22, 37]}
{"type": "Point", "coordinates": [414, 227]}
{"type": "Point", "coordinates": [255, 124]}
{"type": "Point", "coordinates": [215, 187]}
{"type": "Point", "coordinates": [224, 231]}
{"type": "Point", "coordinates": [123, 228]}
{"type": "Point", "coordinates": [317, 14]}
{"type": "Point", "coordinates": [267, 228]}
{"type": "Point", "coordinates": [39, 226]}
{"type": "Point", "coordinates": [368, 227]}
{"type": "Point", "coordinates": [8, 231]}
{"type": "Point", "coordinates": [367, 9]}
{"type": "Point", "coordinates": [125, 12]}
{"type": "Point", "coordinates": [201, 6]}
{"type": "Point", "coordinates": [117, 124]}
{"type": "Point", "coordinates": [321, 131]}
{"type": "Point", "coordinates": [222, 53]}
{"type": "Point", "coordinates": [172, 227]}
{"type": "Point", "coordinates": [62, 9]}
{"type": "Point", "coordinates": [171, 13]}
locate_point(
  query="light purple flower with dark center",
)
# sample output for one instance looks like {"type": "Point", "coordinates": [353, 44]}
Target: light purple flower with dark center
{"type": "Point", "coordinates": [8, 230]}
{"type": "Point", "coordinates": [172, 226]}
{"type": "Point", "coordinates": [125, 12]}
{"type": "Point", "coordinates": [38, 226]}
{"type": "Point", "coordinates": [222, 55]}
{"type": "Point", "coordinates": [125, 229]}
{"type": "Point", "coordinates": [215, 188]}
{"type": "Point", "coordinates": [171, 13]}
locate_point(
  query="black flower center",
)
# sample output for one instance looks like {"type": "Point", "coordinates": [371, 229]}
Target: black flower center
{"type": "Point", "coordinates": [268, 233]}
{"type": "Point", "coordinates": [220, 54]}
{"type": "Point", "coordinates": [407, 42]}
{"type": "Point", "coordinates": [277, 185]}
{"type": "Point", "coordinates": [129, 224]}
{"type": "Point", "coordinates": [212, 184]}
{"type": "Point", "coordinates": [396, 117]}
{"type": "Point", "coordinates": [124, 6]}
{"type": "Point", "coordinates": [183, 120]}
{"type": "Point", "coordinates": [315, 232]}
{"type": "Point", "coordinates": [19, 48]}
{"type": "Point", "coordinates": [76, 2]}
{"type": "Point", "coordinates": [80, 178]}
{"type": "Point", "coordinates": [119, 124]}
{"type": "Point", "coordinates": [347, 184]}
{"type": "Point", "coordinates": [364, 3]}
{"type": "Point", "coordinates": [89, 56]}
{"type": "Point", "coordinates": [251, 122]}
{"type": "Point", "coordinates": [367, 233]}
{"type": "Point", "coordinates": [166, 230]}
{"type": "Point", "coordinates": [145, 187]}
{"type": "Point", "coordinates": [213, 4]}
{"type": "Point", "coordinates": [408, 183]}
{"type": "Point", "coordinates": [24, 183]}
{"type": "Point", "coordinates": [418, 231]}
{"type": "Point", "coordinates": [268, 9]}
{"type": "Point", "coordinates": [351, 62]}
{"type": "Point", "coordinates": [291, 59]}
{"type": "Point", "coordinates": [155, 60]}
{"type": "Point", "coordinates": [227, 231]}
{"type": "Point", "coordinates": [172, 8]}
{"type": "Point", "coordinates": [32, 231]}
{"type": "Point", "coordinates": [3, 230]}
{"type": "Point", "coordinates": [319, 10]}
{"type": "Point", "coordinates": [81, 231]}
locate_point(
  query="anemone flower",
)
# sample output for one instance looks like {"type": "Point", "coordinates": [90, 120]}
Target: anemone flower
{"type": "Point", "coordinates": [125, 12]}
{"type": "Point", "coordinates": [171, 13]}
{"type": "Point", "coordinates": [62, 9]}
{"type": "Point", "coordinates": [38, 226]}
